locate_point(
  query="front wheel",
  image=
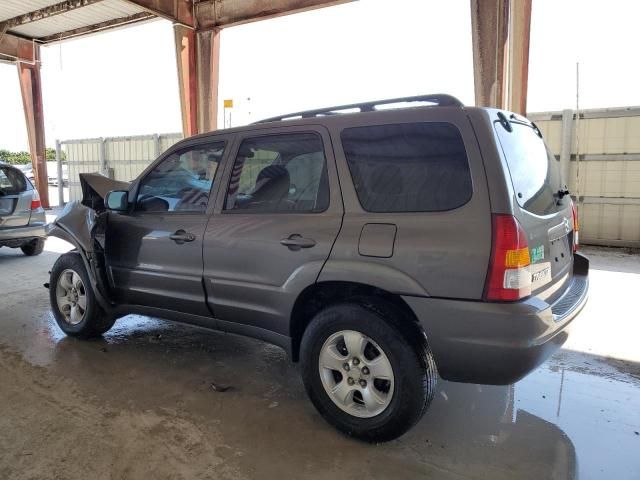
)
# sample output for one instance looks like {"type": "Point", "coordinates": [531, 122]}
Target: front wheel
{"type": "Point", "coordinates": [73, 301]}
{"type": "Point", "coordinates": [366, 375]}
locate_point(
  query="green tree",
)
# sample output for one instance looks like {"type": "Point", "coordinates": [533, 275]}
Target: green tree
{"type": "Point", "coordinates": [23, 158]}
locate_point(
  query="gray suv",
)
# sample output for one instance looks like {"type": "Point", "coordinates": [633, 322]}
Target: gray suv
{"type": "Point", "coordinates": [22, 217]}
{"type": "Point", "coordinates": [381, 247]}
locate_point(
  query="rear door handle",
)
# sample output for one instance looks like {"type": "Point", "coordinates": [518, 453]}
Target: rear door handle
{"type": "Point", "coordinates": [296, 242]}
{"type": "Point", "coordinates": [180, 236]}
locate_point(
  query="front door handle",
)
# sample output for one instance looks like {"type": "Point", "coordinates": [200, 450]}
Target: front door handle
{"type": "Point", "coordinates": [180, 236]}
{"type": "Point", "coordinates": [296, 242]}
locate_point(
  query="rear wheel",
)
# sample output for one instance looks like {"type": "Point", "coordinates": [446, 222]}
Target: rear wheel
{"type": "Point", "coordinates": [34, 247]}
{"type": "Point", "coordinates": [73, 300]}
{"type": "Point", "coordinates": [366, 375]}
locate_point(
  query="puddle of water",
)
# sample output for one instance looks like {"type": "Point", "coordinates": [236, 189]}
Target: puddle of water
{"type": "Point", "coordinates": [598, 409]}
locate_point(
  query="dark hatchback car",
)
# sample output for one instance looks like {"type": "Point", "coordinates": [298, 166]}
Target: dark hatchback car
{"type": "Point", "coordinates": [380, 249]}
{"type": "Point", "coordinates": [22, 217]}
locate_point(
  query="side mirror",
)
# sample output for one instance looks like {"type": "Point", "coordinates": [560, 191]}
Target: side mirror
{"type": "Point", "coordinates": [117, 200]}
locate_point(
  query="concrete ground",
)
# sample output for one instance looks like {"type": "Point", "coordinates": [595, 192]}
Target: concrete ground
{"type": "Point", "coordinates": [141, 402]}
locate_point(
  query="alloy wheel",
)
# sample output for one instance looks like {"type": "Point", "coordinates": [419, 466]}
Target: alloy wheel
{"type": "Point", "coordinates": [71, 296]}
{"type": "Point", "coordinates": [356, 374]}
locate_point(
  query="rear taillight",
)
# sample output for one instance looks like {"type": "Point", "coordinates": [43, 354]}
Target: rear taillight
{"type": "Point", "coordinates": [574, 213]}
{"type": "Point", "coordinates": [509, 275]}
{"type": "Point", "coordinates": [35, 201]}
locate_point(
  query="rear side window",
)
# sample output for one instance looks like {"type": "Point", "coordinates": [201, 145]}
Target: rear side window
{"type": "Point", "coordinates": [535, 172]}
{"type": "Point", "coordinates": [279, 174]}
{"type": "Point", "coordinates": [11, 182]}
{"type": "Point", "coordinates": [408, 167]}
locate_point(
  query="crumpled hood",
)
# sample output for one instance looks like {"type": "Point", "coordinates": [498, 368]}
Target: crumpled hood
{"type": "Point", "coordinates": [95, 187]}
{"type": "Point", "coordinates": [78, 220]}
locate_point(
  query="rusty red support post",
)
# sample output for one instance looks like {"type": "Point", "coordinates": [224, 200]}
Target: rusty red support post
{"type": "Point", "coordinates": [489, 32]}
{"type": "Point", "coordinates": [185, 44]}
{"type": "Point", "coordinates": [518, 66]}
{"type": "Point", "coordinates": [500, 31]}
{"type": "Point", "coordinates": [197, 56]}
{"type": "Point", "coordinates": [208, 55]}
{"type": "Point", "coordinates": [31, 90]}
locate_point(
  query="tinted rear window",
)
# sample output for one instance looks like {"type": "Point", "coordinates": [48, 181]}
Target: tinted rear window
{"type": "Point", "coordinates": [535, 172]}
{"type": "Point", "coordinates": [11, 181]}
{"type": "Point", "coordinates": [408, 167]}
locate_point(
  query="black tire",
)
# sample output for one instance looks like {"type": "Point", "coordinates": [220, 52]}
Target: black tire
{"type": "Point", "coordinates": [34, 247]}
{"type": "Point", "coordinates": [406, 347]}
{"type": "Point", "coordinates": [95, 321]}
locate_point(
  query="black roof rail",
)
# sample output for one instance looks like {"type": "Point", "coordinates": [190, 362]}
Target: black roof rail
{"type": "Point", "coordinates": [438, 99]}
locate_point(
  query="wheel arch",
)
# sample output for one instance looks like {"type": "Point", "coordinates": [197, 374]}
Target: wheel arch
{"type": "Point", "coordinates": [323, 294]}
{"type": "Point", "coordinates": [87, 259]}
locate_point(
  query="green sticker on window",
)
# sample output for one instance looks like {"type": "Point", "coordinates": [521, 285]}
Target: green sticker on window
{"type": "Point", "coordinates": [537, 253]}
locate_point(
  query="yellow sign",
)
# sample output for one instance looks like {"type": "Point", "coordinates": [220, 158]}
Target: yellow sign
{"type": "Point", "coordinates": [228, 104]}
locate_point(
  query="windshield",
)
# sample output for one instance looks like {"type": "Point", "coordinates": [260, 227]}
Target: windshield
{"type": "Point", "coordinates": [535, 172]}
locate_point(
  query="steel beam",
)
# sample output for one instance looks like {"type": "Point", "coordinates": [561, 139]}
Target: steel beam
{"type": "Point", "coordinates": [208, 65]}
{"type": "Point", "coordinates": [14, 48]}
{"type": "Point", "coordinates": [489, 31]}
{"type": "Point", "coordinates": [98, 27]}
{"type": "Point", "coordinates": [216, 14]}
{"type": "Point", "coordinates": [46, 12]}
{"type": "Point", "coordinates": [185, 45]}
{"type": "Point", "coordinates": [500, 32]}
{"type": "Point", "coordinates": [178, 11]}
{"type": "Point", "coordinates": [517, 73]}
{"type": "Point", "coordinates": [31, 89]}
{"type": "Point", "coordinates": [198, 57]}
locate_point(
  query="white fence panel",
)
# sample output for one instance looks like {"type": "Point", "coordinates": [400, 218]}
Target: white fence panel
{"type": "Point", "coordinates": [83, 156]}
{"type": "Point", "coordinates": [122, 158]}
{"type": "Point", "coordinates": [609, 170]}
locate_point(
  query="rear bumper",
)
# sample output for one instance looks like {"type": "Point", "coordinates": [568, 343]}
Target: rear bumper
{"type": "Point", "coordinates": [14, 236]}
{"type": "Point", "coordinates": [499, 343]}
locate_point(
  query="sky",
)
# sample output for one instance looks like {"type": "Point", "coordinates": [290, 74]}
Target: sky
{"type": "Point", "coordinates": [124, 82]}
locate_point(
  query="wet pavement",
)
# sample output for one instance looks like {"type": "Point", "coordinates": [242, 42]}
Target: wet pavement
{"type": "Point", "coordinates": [149, 400]}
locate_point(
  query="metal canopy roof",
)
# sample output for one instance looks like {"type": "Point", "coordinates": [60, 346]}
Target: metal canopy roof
{"type": "Point", "coordinates": [46, 21]}
{"type": "Point", "coordinates": [107, 13]}
{"type": "Point", "coordinates": [10, 9]}
{"type": "Point", "coordinates": [51, 20]}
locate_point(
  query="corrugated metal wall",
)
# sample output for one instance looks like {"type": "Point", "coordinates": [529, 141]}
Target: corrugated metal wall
{"type": "Point", "coordinates": [609, 159]}
{"type": "Point", "coordinates": [608, 145]}
{"type": "Point", "coordinates": [123, 158]}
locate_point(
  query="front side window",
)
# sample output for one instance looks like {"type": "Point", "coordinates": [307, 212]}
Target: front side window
{"type": "Point", "coordinates": [181, 182]}
{"type": "Point", "coordinates": [11, 182]}
{"type": "Point", "coordinates": [408, 167]}
{"type": "Point", "coordinates": [279, 173]}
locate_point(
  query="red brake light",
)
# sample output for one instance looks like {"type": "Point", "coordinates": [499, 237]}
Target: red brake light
{"type": "Point", "coordinates": [574, 213]}
{"type": "Point", "coordinates": [509, 277]}
{"type": "Point", "coordinates": [35, 201]}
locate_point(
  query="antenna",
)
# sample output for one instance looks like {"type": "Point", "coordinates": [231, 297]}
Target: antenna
{"type": "Point", "coordinates": [577, 134]}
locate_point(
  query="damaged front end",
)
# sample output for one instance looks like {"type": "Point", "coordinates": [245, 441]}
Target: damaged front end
{"type": "Point", "coordinates": [83, 224]}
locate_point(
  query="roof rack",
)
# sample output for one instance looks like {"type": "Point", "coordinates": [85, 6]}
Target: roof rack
{"type": "Point", "coordinates": [438, 99]}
